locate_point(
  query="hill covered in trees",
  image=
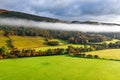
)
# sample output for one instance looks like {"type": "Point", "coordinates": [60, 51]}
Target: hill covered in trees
{"type": "Point", "coordinates": [21, 15]}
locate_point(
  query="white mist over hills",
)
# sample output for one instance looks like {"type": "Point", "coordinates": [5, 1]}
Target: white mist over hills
{"type": "Point", "coordinates": [59, 26]}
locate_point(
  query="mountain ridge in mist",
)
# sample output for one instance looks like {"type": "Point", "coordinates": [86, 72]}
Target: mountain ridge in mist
{"type": "Point", "coordinates": [14, 14]}
{"type": "Point", "coordinates": [21, 15]}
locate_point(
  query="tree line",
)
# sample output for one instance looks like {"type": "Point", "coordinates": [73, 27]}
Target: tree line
{"type": "Point", "coordinates": [74, 51]}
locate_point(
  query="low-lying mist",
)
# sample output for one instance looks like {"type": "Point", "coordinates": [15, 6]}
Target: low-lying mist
{"type": "Point", "coordinates": [59, 26]}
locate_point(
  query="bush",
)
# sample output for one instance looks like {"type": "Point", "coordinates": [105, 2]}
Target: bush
{"type": "Point", "coordinates": [53, 43]}
{"type": "Point", "coordinates": [89, 56]}
{"type": "Point", "coordinates": [1, 57]}
{"type": "Point", "coordinates": [96, 56]}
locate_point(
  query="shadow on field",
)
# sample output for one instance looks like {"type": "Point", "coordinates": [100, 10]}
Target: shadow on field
{"type": "Point", "coordinates": [46, 63]}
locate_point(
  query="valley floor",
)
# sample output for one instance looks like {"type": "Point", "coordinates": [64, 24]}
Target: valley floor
{"type": "Point", "coordinates": [58, 68]}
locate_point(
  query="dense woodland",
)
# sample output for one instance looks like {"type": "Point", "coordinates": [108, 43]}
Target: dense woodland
{"type": "Point", "coordinates": [69, 36]}
{"type": "Point", "coordinates": [115, 35]}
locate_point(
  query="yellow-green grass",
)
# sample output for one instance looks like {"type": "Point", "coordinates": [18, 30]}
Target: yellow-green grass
{"type": "Point", "coordinates": [55, 47]}
{"type": "Point", "coordinates": [59, 68]}
{"type": "Point", "coordinates": [108, 54]}
{"type": "Point", "coordinates": [112, 41]}
{"type": "Point", "coordinates": [21, 42]}
{"type": "Point", "coordinates": [61, 42]}
{"type": "Point", "coordinates": [3, 41]}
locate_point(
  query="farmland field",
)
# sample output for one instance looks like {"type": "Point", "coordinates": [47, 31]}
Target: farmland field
{"type": "Point", "coordinates": [27, 42]}
{"type": "Point", "coordinates": [38, 43]}
{"type": "Point", "coordinates": [3, 41]}
{"type": "Point", "coordinates": [59, 68]}
{"type": "Point", "coordinates": [54, 47]}
{"type": "Point", "coordinates": [108, 54]}
{"type": "Point", "coordinates": [111, 41]}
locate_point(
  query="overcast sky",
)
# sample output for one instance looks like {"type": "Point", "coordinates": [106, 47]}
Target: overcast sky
{"type": "Point", "coordinates": [100, 10]}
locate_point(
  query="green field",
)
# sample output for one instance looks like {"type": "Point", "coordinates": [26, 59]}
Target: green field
{"type": "Point", "coordinates": [112, 41]}
{"type": "Point", "coordinates": [108, 54]}
{"type": "Point", "coordinates": [55, 47]}
{"type": "Point", "coordinates": [38, 43]}
{"type": "Point", "coordinates": [3, 41]}
{"type": "Point", "coordinates": [59, 68]}
{"type": "Point", "coordinates": [27, 42]}
{"type": "Point", "coordinates": [61, 42]}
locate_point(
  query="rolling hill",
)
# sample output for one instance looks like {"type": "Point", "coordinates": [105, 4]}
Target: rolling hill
{"type": "Point", "coordinates": [2, 10]}
{"type": "Point", "coordinates": [21, 15]}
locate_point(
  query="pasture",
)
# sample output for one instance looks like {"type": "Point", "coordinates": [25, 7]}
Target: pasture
{"type": "Point", "coordinates": [58, 68]}
{"type": "Point", "coordinates": [3, 41]}
{"type": "Point", "coordinates": [21, 42]}
{"type": "Point", "coordinates": [108, 53]}
{"type": "Point", "coordinates": [55, 47]}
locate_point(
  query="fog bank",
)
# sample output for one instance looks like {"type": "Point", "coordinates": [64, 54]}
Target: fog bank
{"type": "Point", "coordinates": [59, 26]}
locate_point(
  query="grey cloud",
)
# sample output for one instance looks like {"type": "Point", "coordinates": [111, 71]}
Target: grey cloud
{"type": "Point", "coordinates": [67, 9]}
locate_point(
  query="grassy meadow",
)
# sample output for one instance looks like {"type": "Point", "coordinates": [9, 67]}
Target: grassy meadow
{"type": "Point", "coordinates": [60, 46]}
{"type": "Point", "coordinates": [38, 43]}
{"type": "Point", "coordinates": [108, 54]}
{"type": "Point", "coordinates": [3, 41]}
{"type": "Point", "coordinates": [107, 42]}
{"type": "Point", "coordinates": [27, 42]}
{"type": "Point", "coordinates": [58, 68]}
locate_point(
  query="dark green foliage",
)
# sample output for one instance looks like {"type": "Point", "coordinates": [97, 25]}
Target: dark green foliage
{"type": "Point", "coordinates": [69, 36]}
{"type": "Point", "coordinates": [3, 50]}
{"type": "Point", "coordinates": [13, 14]}
{"type": "Point", "coordinates": [114, 35]}
{"type": "Point", "coordinates": [53, 43]}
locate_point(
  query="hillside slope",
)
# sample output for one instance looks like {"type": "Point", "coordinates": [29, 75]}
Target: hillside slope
{"type": "Point", "coordinates": [21, 15]}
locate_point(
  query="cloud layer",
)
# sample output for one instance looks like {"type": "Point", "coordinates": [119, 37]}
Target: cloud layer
{"type": "Point", "coordinates": [100, 10]}
{"type": "Point", "coordinates": [59, 26]}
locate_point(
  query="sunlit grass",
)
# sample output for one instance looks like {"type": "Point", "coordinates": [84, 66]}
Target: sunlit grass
{"type": "Point", "coordinates": [59, 68]}
{"type": "Point", "coordinates": [108, 54]}
{"type": "Point", "coordinates": [21, 42]}
{"type": "Point", "coordinates": [55, 47]}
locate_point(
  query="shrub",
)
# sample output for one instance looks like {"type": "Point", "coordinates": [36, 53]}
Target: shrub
{"type": "Point", "coordinates": [89, 56]}
{"type": "Point", "coordinates": [96, 56]}
{"type": "Point", "coordinates": [53, 43]}
{"type": "Point", "coordinates": [28, 54]}
{"type": "Point", "coordinates": [1, 57]}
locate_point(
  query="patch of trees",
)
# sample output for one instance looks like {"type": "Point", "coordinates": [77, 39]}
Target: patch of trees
{"type": "Point", "coordinates": [69, 36]}
{"type": "Point", "coordinates": [74, 51]}
{"type": "Point", "coordinates": [15, 53]}
{"type": "Point", "coordinates": [53, 43]}
{"type": "Point", "coordinates": [114, 35]}
{"type": "Point", "coordinates": [114, 45]}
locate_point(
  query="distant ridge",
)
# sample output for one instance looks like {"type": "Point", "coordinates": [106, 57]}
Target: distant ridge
{"type": "Point", "coordinates": [2, 10]}
{"type": "Point", "coordinates": [95, 23]}
{"type": "Point", "coordinates": [21, 15]}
